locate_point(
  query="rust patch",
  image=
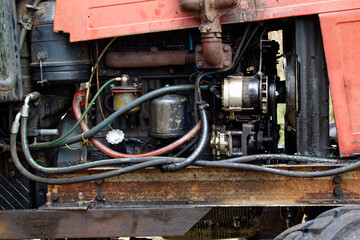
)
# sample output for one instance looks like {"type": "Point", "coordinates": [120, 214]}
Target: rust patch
{"type": "Point", "coordinates": [216, 187]}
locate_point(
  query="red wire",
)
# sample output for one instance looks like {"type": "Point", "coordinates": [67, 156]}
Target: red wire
{"type": "Point", "coordinates": [108, 151]}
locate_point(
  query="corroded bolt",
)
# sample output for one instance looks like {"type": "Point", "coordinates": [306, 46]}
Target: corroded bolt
{"type": "Point", "coordinates": [81, 199]}
{"type": "Point", "coordinates": [55, 197]}
{"type": "Point", "coordinates": [337, 191]}
{"type": "Point", "coordinates": [227, 63]}
{"type": "Point", "coordinates": [200, 64]}
{"type": "Point", "coordinates": [226, 48]}
{"type": "Point", "coordinates": [337, 179]}
{"type": "Point", "coordinates": [99, 197]}
{"type": "Point", "coordinates": [11, 173]}
{"type": "Point", "coordinates": [48, 200]}
{"type": "Point", "coordinates": [99, 181]}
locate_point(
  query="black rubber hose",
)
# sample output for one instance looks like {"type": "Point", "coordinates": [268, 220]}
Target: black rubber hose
{"type": "Point", "coordinates": [109, 120]}
{"type": "Point", "coordinates": [71, 169]}
{"type": "Point", "coordinates": [62, 181]}
{"type": "Point", "coordinates": [204, 131]}
{"type": "Point", "coordinates": [277, 157]}
{"type": "Point", "coordinates": [287, 173]}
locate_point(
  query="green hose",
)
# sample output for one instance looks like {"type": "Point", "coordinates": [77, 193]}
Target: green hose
{"type": "Point", "coordinates": [109, 120]}
{"type": "Point", "coordinates": [52, 143]}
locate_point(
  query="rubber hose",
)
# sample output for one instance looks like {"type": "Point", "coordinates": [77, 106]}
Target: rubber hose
{"type": "Point", "coordinates": [110, 152]}
{"type": "Point", "coordinates": [151, 95]}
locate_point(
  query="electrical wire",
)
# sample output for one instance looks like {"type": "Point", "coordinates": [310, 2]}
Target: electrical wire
{"type": "Point", "coordinates": [59, 140]}
{"type": "Point", "coordinates": [93, 71]}
{"type": "Point", "coordinates": [98, 85]}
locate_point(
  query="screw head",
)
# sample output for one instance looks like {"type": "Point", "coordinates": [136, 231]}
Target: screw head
{"type": "Point", "coordinates": [55, 197]}
{"type": "Point", "coordinates": [200, 64]}
{"type": "Point", "coordinates": [11, 173]}
{"type": "Point", "coordinates": [199, 48]}
{"type": "Point", "coordinates": [337, 179]}
{"type": "Point", "coordinates": [337, 191]}
{"type": "Point", "coordinates": [99, 181]}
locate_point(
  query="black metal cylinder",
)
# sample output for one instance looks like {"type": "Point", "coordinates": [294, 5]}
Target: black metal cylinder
{"type": "Point", "coordinates": [53, 58]}
{"type": "Point", "coordinates": [168, 116]}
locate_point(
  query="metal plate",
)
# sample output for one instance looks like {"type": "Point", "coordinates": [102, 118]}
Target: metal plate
{"type": "Point", "coordinates": [97, 223]}
{"type": "Point", "coordinates": [341, 34]}
{"type": "Point", "coordinates": [215, 187]}
{"type": "Point", "coordinates": [93, 19]}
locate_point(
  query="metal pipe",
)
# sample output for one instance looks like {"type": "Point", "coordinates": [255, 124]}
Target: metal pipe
{"type": "Point", "coordinates": [153, 58]}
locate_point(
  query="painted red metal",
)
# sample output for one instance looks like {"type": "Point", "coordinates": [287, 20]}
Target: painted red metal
{"type": "Point", "coordinates": [341, 35]}
{"type": "Point", "coordinates": [93, 19]}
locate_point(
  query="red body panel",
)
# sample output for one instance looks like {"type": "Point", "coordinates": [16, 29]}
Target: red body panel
{"type": "Point", "coordinates": [94, 19]}
{"type": "Point", "coordinates": [341, 36]}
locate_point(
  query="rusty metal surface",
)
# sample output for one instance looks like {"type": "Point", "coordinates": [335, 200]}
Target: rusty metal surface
{"type": "Point", "coordinates": [92, 19]}
{"type": "Point", "coordinates": [213, 54]}
{"type": "Point", "coordinates": [217, 187]}
{"type": "Point", "coordinates": [153, 58]}
{"type": "Point", "coordinates": [97, 223]}
{"type": "Point", "coordinates": [341, 33]}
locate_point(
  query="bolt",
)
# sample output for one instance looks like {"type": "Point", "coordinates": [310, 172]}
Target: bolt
{"type": "Point", "coordinates": [81, 199]}
{"type": "Point", "coordinates": [99, 181]}
{"type": "Point", "coordinates": [48, 200]}
{"type": "Point", "coordinates": [103, 72]}
{"type": "Point", "coordinates": [11, 173]}
{"type": "Point", "coordinates": [200, 64]}
{"type": "Point", "coordinates": [55, 197]}
{"type": "Point", "coordinates": [117, 72]}
{"type": "Point", "coordinates": [226, 48]}
{"type": "Point", "coordinates": [227, 63]}
{"type": "Point", "coordinates": [199, 48]}
{"type": "Point", "coordinates": [171, 71]}
{"type": "Point", "coordinates": [154, 49]}
{"type": "Point", "coordinates": [100, 197]}
{"type": "Point", "coordinates": [337, 179]}
{"type": "Point", "coordinates": [26, 17]}
{"type": "Point", "coordinates": [220, 115]}
{"type": "Point", "coordinates": [337, 191]}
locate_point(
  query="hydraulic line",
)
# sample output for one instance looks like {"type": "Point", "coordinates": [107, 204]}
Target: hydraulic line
{"type": "Point", "coordinates": [109, 120]}
{"type": "Point", "coordinates": [287, 173]}
{"type": "Point", "coordinates": [115, 154]}
{"type": "Point", "coordinates": [204, 130]}
{"type": "Point", "coordinates": [57, 141]}
{"type": "Point", "coordinates": [60, 181]}
{"type": "Point", "coordinates": [160, 161]}
{"type": "Point", "coordinates": [62, 170]}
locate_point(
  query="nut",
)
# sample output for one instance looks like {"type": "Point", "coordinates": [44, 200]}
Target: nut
{"type": "Point", "coordinates": [227, 63]}
{"type": "Point", "coordinates": [226, 48]}
{"type": "Point", "coordinates": [337, 191]}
